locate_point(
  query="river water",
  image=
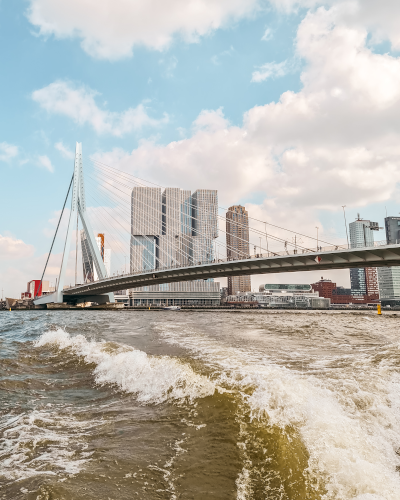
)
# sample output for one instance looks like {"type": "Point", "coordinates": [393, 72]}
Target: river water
{"type": "Point", "coordinates": [199, 405]}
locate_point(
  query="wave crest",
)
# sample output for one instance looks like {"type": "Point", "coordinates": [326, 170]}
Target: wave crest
{"type": "Point", "coordinates": [153, 379]}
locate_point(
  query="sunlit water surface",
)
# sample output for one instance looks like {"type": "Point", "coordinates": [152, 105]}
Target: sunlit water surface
{"type": "Point", "coordinates": [199, 405]}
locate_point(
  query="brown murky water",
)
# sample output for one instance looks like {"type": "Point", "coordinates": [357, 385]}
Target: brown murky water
{"type": "Point", "coordinates": [199, 405]}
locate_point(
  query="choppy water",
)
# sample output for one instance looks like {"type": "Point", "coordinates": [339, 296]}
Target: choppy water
{"type": "Point", "coordinates": [199, 405]}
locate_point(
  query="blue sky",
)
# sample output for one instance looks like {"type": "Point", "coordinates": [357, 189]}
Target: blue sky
{"type": "Point", "coordinates": [180, 81]}
{"type": "Point", "coordinates": [298, 87]}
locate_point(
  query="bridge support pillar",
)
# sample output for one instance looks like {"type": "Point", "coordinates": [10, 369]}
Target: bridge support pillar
{"type": "Point", "coordinates": [78, 207]}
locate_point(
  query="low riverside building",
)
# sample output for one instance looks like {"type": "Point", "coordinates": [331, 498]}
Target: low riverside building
{"type": "Point", "coordinates": [281, 295]}
{"type": "Point", "coordinates": [187, 293]}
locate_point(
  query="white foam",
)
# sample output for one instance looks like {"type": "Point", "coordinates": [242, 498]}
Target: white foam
{"type": "Point", "coordinates": [43, 443]}
{"type": "Point", "coordinates": [349, 422]}
{"type": "Point", "coordinates": [153, 379]}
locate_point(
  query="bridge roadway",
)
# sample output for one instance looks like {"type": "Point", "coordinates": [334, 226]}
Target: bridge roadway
{"type": "Point", "coordinates": [381, 256]}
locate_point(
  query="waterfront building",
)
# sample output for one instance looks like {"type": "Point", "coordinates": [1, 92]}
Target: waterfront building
{"type": "Point", "coordinates": [324, 287]}
{"type": "Point", "coordinates": [340, 295]}
{"type": "Point", "coordinates": [237, 245]}
{"type": "Point", "coordinates": [389, 277]}
{"type": "Point", "coordinates": [364, 281]}
{"type": "Point", "coordinates": [223, 294]}
{"type": "Point", "coordinates": [173, 227]}
{"type": "Point", "coordinates": [280, 295]}
{"type": "Point", "coordinates": [122, 297]}
{"type": "Point", "coordinates": [36, 289]}
{"type": "Point", "coordinates": [186, 293]}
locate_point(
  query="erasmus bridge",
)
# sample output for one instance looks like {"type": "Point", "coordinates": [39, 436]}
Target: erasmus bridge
{"type": "Point", "coordinates": [177, 258]}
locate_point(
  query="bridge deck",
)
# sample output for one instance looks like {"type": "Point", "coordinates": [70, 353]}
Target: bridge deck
{"type": "Point", "coordinates": [382, 256]}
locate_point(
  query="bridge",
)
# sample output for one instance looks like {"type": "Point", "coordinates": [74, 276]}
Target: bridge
{"type": "Point", "coordinates": [185, 267]}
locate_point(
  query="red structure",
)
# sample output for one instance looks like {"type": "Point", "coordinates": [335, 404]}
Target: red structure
{"type": "Point", "coordinates": [324, 287]}
{"type": "Point", "coordinates": [33, 288]}
{"type": "Point", "coordinates": [340, 295]}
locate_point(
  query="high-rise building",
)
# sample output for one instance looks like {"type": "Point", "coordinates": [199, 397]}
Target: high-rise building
{"type": "Point", "coordinates": [392, 228]}
{"type": "Point", "coordinates": [364, 281]}
{"type": "Point", "coordinates": [389, 277]}
{"type": "Point", "coordinates": [205, 224]}
{"type": "Point", "coordinates": [105, 255]}
{"type": "Point", "coordinates": [173, 228]}
{"type": "Point", "coordinates": [237, 244]}
{"type": "Point", "coordinates": [107, 260]}
{"type": "Point", "coordinates": [89, 270]}
{"type": "Point", "coordinates": [146, 227]}
{"type": "Point", "coordinates": [87, 261]}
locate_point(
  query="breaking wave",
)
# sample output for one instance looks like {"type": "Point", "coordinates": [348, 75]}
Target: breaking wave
{"type": "Point", "coordinates": [153, 379]}
{"type": "Point", "coordinates": [349, 425]}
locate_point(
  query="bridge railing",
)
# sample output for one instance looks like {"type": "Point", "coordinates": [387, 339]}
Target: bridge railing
{"type": "Point", "coordinates": [294, 251]}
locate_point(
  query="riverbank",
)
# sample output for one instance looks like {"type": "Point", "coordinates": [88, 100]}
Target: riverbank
{"type": "Point", "coordinates": [105, 307]}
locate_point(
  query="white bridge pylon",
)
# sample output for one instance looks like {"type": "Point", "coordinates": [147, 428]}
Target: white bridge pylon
{"type": "Point", "coordinates": [78, 208]}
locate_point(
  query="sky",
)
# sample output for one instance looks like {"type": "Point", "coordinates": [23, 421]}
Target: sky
{"type": "Point", "coordinates": [288, 107]}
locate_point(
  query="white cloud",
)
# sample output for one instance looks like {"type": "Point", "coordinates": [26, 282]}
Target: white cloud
{"type": "Point", "coordinates": [7, 151]}
{"type": "Point", "coordinates": [12, 248]}
{"type": "Point", "coordinates": [44, 162]}
{"type": "Point", "coordinates": [270, 70]}
{"type": "Point", "coordinates": [267, 35]}
{"type": "Point", "coordinates": [381, 18]}
{"type": "Point", "coordinates": [67, 153]}
{"type": "Point", "coordinates": [78, 103]}
{"type": "Point", "coordinates": [334, 142]}
{"type": "Point", "coordinates": [109, 29]}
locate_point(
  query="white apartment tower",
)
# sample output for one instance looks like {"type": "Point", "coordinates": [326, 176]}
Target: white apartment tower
{"type": "Point", "coordinates": [364, 281]}
{"type": "Point", "coordinates": [173, 227]}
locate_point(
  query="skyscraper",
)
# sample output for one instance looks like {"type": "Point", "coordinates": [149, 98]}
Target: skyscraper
{"type": "Point", "coordinates": [205, 225]}
{"type": "Point", "coordinates": [389, 277]}
{"type": "Point", "coordinates": [173, 228]}
{"type": "Point", "coordinates": [392, 228]}
{"type": "Point", "coordinates": [146, 227]}
{"type": "Point", "coordinates": [237, 244]}
{"type": "Point", "coordinates": [87, 261]}
{"type": "Point", "coordinates": [89, 270]}
{"type": "Point", "coordinates": [364, 281]}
